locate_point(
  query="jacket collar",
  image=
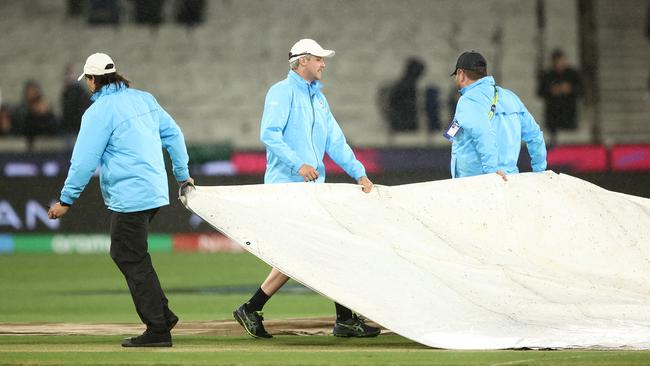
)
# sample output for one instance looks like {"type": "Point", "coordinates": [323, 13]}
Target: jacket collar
{"type": "Point", "coordinates": [486, 80]}
{"type": "Point", "coordinates": [297, 80]}
{"type": "Point", "coordinates": [107, 89]}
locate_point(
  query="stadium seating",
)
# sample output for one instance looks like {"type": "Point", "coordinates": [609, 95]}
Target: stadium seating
{"type": "Point", "coordinates": [213, 78]}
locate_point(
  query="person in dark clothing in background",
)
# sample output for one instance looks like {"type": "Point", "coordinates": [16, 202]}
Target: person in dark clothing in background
{"type": "Point", "coordinates": [432, 107]}
{"type": "Point", "coordinates": [34, 116]}
{"type": "Point", "coordinates": [402, 100]}
{"type": "Point", "coordinates": [190, 12]}
{"type": "Point", "coordinates": [5, 120]}
{"type": "Point", "coordinates": [148, 12]}
{"type": "Point", "coordinates": [560, 87]}
{"type": "Point", "coordinates": [75, 99]}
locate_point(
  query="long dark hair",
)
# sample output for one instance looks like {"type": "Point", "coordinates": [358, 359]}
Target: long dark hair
{"type": "Point", "coordinates": [114, 78]}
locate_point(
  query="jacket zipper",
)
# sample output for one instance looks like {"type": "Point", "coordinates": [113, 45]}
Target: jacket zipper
{"type": "Point", "coordinates": [313, 123]}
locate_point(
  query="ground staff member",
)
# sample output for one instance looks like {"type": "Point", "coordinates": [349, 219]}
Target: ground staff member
{"type": "Point", "coordinates": [489, 124]}
{"type": "Point", "coordinates": [124, 131]}
{"type": "Point", "coordinates": [298, 128]}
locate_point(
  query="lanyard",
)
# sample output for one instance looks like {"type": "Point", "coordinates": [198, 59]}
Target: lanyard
{"type": "Point", "coordinates": [454, 127]}
{"type": "Point", "coordinates": [493, 107]}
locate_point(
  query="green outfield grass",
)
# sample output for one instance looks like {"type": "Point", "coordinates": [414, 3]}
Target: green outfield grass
{"type": "Point", "coordinates": [88, 288]}
{"type": "Point", "coordinates": [284, 350]}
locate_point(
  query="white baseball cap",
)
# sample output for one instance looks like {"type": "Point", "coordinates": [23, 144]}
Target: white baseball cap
{"type": "Point", "coordinates": [98, 64]}
{"type": "Point", "coordinates": [306, 47]}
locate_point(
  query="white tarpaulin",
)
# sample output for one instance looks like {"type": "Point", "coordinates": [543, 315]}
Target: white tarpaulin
{"type": "Point", "coordinates": [543, 260]}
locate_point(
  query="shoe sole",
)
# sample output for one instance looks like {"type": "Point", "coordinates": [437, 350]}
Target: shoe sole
{"type": "Point", "coordinates": [353, 335]}
{"type": "Point", "coordinates": [241, 322]}
{"type": "Point", "coordinates": [158, 344]}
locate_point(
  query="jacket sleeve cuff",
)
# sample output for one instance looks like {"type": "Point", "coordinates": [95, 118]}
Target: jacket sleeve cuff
{"type": "Point", "coordinates": [182, 174]}
{"type": "Point", "coordinates": [360, 173]}
{"type": "Point", "coordinates": [66, 201]}
{"type": "Point", "coordinates": [182, 178]}
{"type": "Point", "coordinates": [297, 165]}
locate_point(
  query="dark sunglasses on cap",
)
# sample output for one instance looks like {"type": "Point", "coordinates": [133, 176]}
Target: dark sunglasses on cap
{"type": "Point", "coordinates": [298, 54]}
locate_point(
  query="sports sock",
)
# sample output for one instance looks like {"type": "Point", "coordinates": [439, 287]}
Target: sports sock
{"type": "Point", "coordinates": [342, 313]}
{"type": "Point", "coordinates": [256, 303]}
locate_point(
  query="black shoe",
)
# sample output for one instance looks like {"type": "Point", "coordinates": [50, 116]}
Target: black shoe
{"type": "Point", "coordinates": [149, 339]}
{"type": "Point", "coordinates": [251, 321]}
{"type": "Point", "coordinates": [354, 327]}
{"type": "Point", "coordinates": [171, 322]}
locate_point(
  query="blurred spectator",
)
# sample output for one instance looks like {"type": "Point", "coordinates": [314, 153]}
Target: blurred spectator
{"type": "Point", "coordinates": [402, 98]}
{"type": "Point", "coordinates": [5, 120]}
{"type": "Point", "coordinates": [75, 99]}
{"type": "Point", "coordinates": [7, 127]}
{"type": "Point", "coordinates": [103, 12]}
{"type": "Point", "coordinates": [34, 116]}
{"type": "Point", "coordinates": [190, 12]}
{"type": "Point", "coordinates": [75, 8]}
{"type": "Point", "coordinates": [452, 101]}
{"type": "Point", "coordinates": [432, 107]}
{"type": "Point", "coordinates": [560, 86]}
{"type": "Point", "coordinates": [148, 12]}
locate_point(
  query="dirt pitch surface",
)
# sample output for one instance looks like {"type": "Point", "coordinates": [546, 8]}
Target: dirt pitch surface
{"type": "Point", "coordinates": [307, 326]}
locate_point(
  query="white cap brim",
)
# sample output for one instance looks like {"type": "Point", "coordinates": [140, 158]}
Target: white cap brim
{"type": "Point", "coordinates": [324, 53]}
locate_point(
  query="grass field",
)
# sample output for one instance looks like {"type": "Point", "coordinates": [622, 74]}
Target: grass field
{"type": "Point", "coordinates": [48, 288]}
{"type": "Point", "coordinates": [90, 288]}
{"type": "Point", "coordinates": [285, 350]}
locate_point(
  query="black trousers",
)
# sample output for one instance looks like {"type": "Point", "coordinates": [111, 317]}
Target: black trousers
{"type": "Point", "coordinates": [129, 250]}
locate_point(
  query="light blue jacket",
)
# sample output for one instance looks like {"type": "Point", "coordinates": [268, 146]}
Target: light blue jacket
{"type": "Point", "coordinates": [484, 145]}
{"type": "Point", "coordinates": [299, 128]}
{"type": "Point", "coordinates": [123, 132]}
{"type": "Point", "coordinates": [514, 124]}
